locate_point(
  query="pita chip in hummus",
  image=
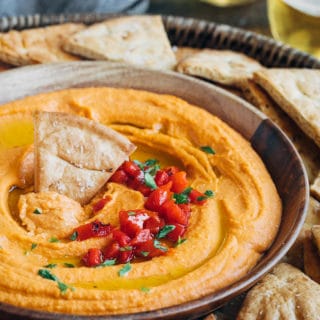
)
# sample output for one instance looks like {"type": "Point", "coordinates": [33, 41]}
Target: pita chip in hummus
{"type": "Point", "coordinates": [75, 156]}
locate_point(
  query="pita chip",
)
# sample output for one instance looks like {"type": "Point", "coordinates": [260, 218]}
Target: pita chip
{"type": "Point", "coordinates": [285, 293]}
{"type": "Point", "coordinates": [136, 40]}
{"type": "Point", "coordinates": [316, 236]}
{"type": "Point", "coordinates": [221, 66]}
{"type": "Point", "coordinates": [309, 151]}
{"type": "Point", "coordinates": [315, 187]}
{"type": "Point", "coordinates": [39, 45]}
{"type": "Point", "coordinates": [311, 258]}
{"type": "Point", "coordinates": [75, 156]}
{"type": "Point", "coordinates": [297, 92]}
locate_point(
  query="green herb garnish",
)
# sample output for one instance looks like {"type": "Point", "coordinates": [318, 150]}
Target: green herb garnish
{"type": "Point", "coordinates": [46, 274]}
{"type": "Point", "coordinates": [107, 263]}
{"type": "Point", "coordinates": [33, 246]}
{"type": "Point", "coordinates": [50, 265]}
{"type": "Point", "coordinates": [209, 193]}
{"type": "Point", "coordinates": [37, 211]}
{"type": "Point", "coordinates": [74, 236]}
{"type": "Point", "coordinates": [54, 239]}
{"type": "Point", "coordinates": [145, 289]}
{"type": "Point", "coordinates": [125, 269]}
{"type": "Point", "coordinates": [165, 230]}
{"type": "Point", "coordinates": [182, 197]}
{"type": "Point", "coordinates": [68, 265]}
{"type": "Point", "coordinates": [149, 181]}
{"type": "Point", "coordinates": [207, 149]}
{"type": "Point", "coordinates": [157, 244]}
{"type": "Point", "coordinates": [151, 162]}
{"type": "Point", "coordinates": [131, 213]}
{"type": "Point", "coordinates": [180, 241]}
{"type": "Point", "coordinates": [145, 253]}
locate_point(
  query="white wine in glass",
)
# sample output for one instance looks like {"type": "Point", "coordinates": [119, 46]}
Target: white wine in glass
{"type": "Point", "coordinates": [297, 23]}
{"type": "Point", "coordinates": [228, 3]}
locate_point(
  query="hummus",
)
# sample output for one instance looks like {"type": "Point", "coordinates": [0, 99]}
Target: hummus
{"type": "Point", "coordinates": [225, 238]}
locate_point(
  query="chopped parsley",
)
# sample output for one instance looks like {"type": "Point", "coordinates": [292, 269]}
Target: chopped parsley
{"type": "Point", "coordinates": [149, 181]}
{"type": "Point", "coordinates": [180, 241]}
{"type": "Point", "coordinates": [131, 213]}
{"type": "Point", "coordinates": [46, 274]}
{"type": "Point", "coordinates": [165, 230]}
{"type": "Point", "coordinates": [124, 270]}
{"type": "Point", "coordinates": [54, 239]}
{"type": "Point", "coordinates": [207, 194]}
{"type": "Point", "coordinates": [33, 246]}
{"type": "Point", "coordinates": [37, 211]}
{"type": "Point", "coordinates": [145, 253]}
{"type": "Point", "coordinates": [50, 265]}
{"type": "Point", "coordinates": [182, 197]}
{"type": "Point", "coordinates": [145, 289]}
{"type": "Point", "coordinates": [74, 236]}
{"type": "Point", "coordinates": [107, 263]}
{"type": "Point", "coordinates": [157, 244]}
{"type": "Point", "coordinates": [207, 149]}
{"type": "Point", "coordinates": [68, 265]}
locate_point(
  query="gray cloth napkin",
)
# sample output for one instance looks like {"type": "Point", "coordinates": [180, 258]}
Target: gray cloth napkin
{"type": "Point", "coordinates": [24, 7]}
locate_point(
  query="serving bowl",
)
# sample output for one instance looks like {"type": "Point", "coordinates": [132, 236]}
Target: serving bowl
{"type": "Point", "coordinates": [275, 149]}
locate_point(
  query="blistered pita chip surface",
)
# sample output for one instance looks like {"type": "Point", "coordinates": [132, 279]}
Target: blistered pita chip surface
{"type": "Point", "coordinates": [285, 293]}
{"type": "Point", "coordinates": [311, 258]}
{"type": "Point", "coordinates": [137, 40]}
{"type": "Point", "coordinates": [75, 156]}
{"type": "Point", "coordinates": [40, 45]}
{"type": "Point", "coordinates": [315, 187]}
{"type": "Point", "coordinates": [297, 91]}
{"type": "Point", "coordinates": [222, 66]}
{"type": "Point", "coordinates": [309, 151]}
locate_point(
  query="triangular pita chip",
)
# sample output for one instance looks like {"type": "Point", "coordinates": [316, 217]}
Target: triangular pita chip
{"type": "Point", "coordinates": [221, 66]}
{"type": "Point", "coordinates": [40, 45]}
{"type": "Point", "coordinates": [75, 156]}
{"type": "Point", "coordinates": [297, 92]}
{"type": "Point", "coordinates": [137, 40]}
{"type": "Point", "coordinates": [284, 293]}
{"type": "Point", "coordinates": [316, 236]}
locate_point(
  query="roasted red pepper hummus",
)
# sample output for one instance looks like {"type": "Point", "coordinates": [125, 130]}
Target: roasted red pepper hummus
{"type": "Point", "coordinates": [49, 260]}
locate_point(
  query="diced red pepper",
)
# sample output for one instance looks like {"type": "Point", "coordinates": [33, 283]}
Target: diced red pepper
{"type": "Point", "coordinates": [99, 205]}
{"type": "Point", "coordinates": [111, 251]}
{"type": "Point", "coordinates": [147, 250]}
{"type": "Point", "coordinates": [131, 168]}
{"type": "Point", "coordinates": [185, 207]}
{"type": "Point", "coordinates": [161, 178]}
{"type": "Point", "coordinates": [92, 230]}
{"type": "Point", "coordinates": [142, 236]}
{"type": "Point", "coordinates": [119, 176]}
{"type": "Point", "coordinates": [171, 170]}
{"type": "Point", "coordinates": [179, 181]}
{"type": "Point", "coordinates": [93, 257]}
{"type": "Point", "coordinates": [131, 221]}
{"type": "Point", "coordinates": [158, 197]}
{"type": "Point", "coordinates": [177, 232]}
{"type": "Point", "coordinates": [125, 256]}
{"type": "Point", "coordinates": [195, 197]}
{"type": "Point", "coordinates": [145, 190]}
{"type": "Point", "coordinates": [172, 213]}
{"type": "Point", "coordinates": [154, 223]}
{"type": "Point", "coordinates": [122, 238]}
